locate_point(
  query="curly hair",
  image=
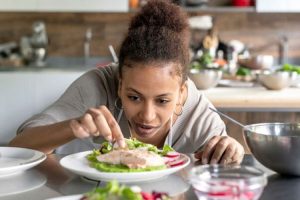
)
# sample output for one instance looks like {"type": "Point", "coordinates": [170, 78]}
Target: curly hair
{"type": "Point", "coordinates": [159, 32]}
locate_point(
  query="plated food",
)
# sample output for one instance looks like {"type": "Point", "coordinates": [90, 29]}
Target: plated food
{"type": "Point", "coordinates": [113, 190]}
{"type": "Point", "coordinates": [136, 157]}
{"type": "Point", "coordinates": [87, 165]}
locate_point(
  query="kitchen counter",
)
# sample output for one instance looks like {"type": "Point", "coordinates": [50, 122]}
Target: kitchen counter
{"type": "Point", "coordinates": [254, 99]}
{"type": "Point", "coordinates": [50, 180]}
{"type": "Point", "coordinates": [62, 64]}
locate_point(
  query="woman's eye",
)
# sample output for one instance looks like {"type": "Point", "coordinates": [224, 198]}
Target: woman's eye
{"type": "Point", "coordinates": [163, 101]}
{"type": "Point", "coordinates": [133, 98]}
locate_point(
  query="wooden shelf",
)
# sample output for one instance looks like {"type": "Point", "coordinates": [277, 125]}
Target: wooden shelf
{"type": "Point", "coordinates": [220, 9]}
{"type": "Point", "coordinates": [212, 9]}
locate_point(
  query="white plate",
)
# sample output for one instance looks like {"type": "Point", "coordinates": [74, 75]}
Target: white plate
{"type": "Point", "coordinates": [78, 164]}
{"type": "Point", "coordinates": [21, 182]}
{"type": "Point", "coordinates": [14, 159]}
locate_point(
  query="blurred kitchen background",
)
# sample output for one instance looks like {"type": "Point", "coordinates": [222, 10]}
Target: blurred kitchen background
{"type": "Point", "coordinates": [68, 30]}
{"type": "Point", "coordinates": [46, 44]}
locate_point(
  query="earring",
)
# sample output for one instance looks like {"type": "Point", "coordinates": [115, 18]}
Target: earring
{"type": "Point", "coordinates": [118, 103]}
{"type": "Point", "coordinates": [181, 110]}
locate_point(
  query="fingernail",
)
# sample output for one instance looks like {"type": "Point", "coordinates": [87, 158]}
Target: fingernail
{"type": "Point", "coordinates": [213, 161]}
{"type": "Point", "coordinates": [109, 138]}
{"type": "Point", "coordinates": [121, 143]}
{"type": "Point", "coordinates": [204, 161]}
{"type": "Point", "coordinates": [223, 162]}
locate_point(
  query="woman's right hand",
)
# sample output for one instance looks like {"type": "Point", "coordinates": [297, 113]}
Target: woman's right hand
{"type": "Point", "coordinates": [98, 122]}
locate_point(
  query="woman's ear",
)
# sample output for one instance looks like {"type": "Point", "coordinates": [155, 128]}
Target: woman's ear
{"type": "Point", "coordinates": [181, 91]}
{"type": "Point", "coordinates": [183, 87]}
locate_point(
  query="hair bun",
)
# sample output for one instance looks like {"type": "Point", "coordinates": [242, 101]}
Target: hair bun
{"type": "Point", "coordinates": [160, 13]}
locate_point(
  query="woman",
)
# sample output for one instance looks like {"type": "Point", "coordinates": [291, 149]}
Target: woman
{"type": "Point", "coordinates": [147, 96]}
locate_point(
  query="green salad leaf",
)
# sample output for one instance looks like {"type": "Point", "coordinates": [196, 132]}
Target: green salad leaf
{"type": "Point", "coordinates": [132, 144]}
{"type": "Point", "coordinates": [113, 190]}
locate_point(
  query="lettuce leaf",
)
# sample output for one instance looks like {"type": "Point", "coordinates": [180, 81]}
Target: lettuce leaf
{"type": "Point", "coordinates": [113, 190]}
{"type": "Point", "coordinates": [106, 167]}
{"type": "Point", "coordinates": [134, 144]}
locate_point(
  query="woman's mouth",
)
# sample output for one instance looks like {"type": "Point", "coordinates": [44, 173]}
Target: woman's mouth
{"type": "Point", "coordinates": [145, 130]}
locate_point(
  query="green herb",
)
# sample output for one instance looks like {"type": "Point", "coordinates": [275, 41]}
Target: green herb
{"type": "Point", "coordinates": [203, 62]}
{"type": "Point", "coordinates": [131, 144]}
{"type": "Point", "coordinates": [290, 68]}
{"type": "Point", "coordinates": [242, 71]}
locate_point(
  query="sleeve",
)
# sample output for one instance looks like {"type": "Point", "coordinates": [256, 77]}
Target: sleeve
{"type": "Point", "coordinates": [207, 124]}
{"type": "Point", "coordinates": [87, 91]}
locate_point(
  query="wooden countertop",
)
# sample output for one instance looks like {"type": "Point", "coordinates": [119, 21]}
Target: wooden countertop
{"type": "Point", "coordinates": [254, 98]}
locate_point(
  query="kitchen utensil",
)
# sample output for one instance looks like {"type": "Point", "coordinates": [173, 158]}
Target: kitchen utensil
{"type": "Point", "coordinates": [227, 117]}
{"type": "Point", "coordinates": [206, 78]}
{"type": "Point", "coordinates": [275, 80]}
{"type": "Point", "coordinates": [275, 145]}
{"type": "Point", "coordinates": [113, 54]}
{"type": "Point", "coordinates": [220, 182]}
{"type": "Point", "coordinates": [112, 143]}
{"type": "Point", "coordinates": [257, 62]}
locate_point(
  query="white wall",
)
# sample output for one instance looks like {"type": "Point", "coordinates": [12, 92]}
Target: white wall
{"type": "Point", "coordinates": [23, 94]}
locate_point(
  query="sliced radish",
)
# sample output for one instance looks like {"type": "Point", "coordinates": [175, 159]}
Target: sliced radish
{"type": "Point", "coordinates": [168, 159]}
{"type": "Point", "coordinates": [172, 154]}
{"type": "Point", "coordinates": [147, 196]}
{"type": "Point", "coordinates": [177, 162]}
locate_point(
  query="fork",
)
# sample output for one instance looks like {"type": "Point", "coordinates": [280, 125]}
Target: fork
{"type": "Point", "coordinates": [112, 142]}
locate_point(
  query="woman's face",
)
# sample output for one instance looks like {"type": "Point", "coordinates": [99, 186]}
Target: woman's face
{"type": "Point", "coordinates": [149, 95]}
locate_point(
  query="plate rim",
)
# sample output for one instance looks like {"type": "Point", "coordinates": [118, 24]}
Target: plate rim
{"type": "Point", "coordinates": [130, 175]}
{"type": "Point", "coordinates": [34, 161]}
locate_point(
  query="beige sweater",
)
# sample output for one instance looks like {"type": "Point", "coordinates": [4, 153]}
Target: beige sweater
{"type": "Point", "coordinates": [98, 87]}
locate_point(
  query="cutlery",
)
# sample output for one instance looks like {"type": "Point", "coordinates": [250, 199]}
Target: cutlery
{"type": "Point", "coordinates": [118, 120]}
{"type": "Point", "coordinates": [229, 118]}
{"type": "Point", "coordinates": [113, 54]}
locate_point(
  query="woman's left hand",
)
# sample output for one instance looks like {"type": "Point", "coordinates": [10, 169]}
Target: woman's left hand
{"type": "Point", "coordinates": [223, 150]}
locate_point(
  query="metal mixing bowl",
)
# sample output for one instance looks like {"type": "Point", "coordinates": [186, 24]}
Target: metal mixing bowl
{"type": "Point", "coordinates": [205, 78]}
{"type": "Point", "coordinates": [275, 145]}
{"type": "Point", "coordinates": [275, 80]}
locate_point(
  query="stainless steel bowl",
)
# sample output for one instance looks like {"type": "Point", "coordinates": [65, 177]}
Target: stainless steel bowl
{"type": "Point", "coordinates": [206, 78]}
{"type": "Point", "coordinates": [275, 145]}
{"type": "Point", "coordinates": [275, 80]}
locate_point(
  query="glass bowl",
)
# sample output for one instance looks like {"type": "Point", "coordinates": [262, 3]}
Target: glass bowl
{"type": "Point", "coordinates": [227, 182]}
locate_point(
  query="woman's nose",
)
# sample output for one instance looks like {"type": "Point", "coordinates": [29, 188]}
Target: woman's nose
{"type": "Point", "coordinates": [148, 112]}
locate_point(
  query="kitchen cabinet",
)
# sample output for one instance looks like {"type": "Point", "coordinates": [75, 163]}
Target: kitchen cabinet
{"type": "Point", "coordinates": [64, 5]}
{"type": "Point", "coordinates": [25, 93]}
